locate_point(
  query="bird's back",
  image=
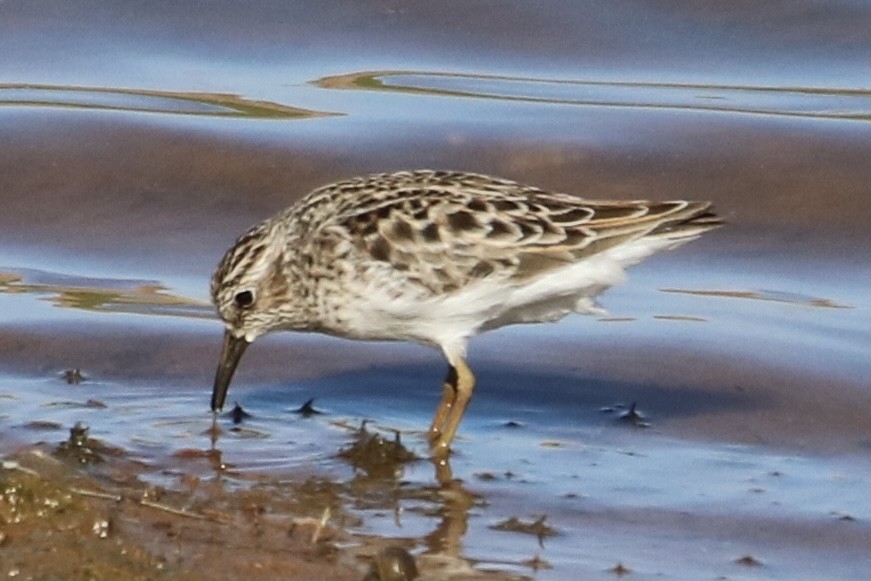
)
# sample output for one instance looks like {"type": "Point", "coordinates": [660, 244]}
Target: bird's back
{"type": "Point", "coordinates": [420, 252]}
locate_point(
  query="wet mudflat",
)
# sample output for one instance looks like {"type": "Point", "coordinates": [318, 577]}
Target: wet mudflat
{"type": "Point", "coordinates": [714, 424]}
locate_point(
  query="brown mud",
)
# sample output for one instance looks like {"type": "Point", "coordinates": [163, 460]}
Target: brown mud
{"type": "Point", "coordinates": [81, 510]}
{"type": "Point", "coordinates": [62, 522]}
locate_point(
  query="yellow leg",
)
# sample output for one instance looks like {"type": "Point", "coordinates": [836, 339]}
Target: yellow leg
{"type": "Point", "coordinates": [449, 416]}
{"type": "Point", "coordinates": [449, 394]}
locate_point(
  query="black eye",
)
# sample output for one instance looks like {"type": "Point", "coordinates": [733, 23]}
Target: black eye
{"type": "Point", "coordinates": [244, 299]}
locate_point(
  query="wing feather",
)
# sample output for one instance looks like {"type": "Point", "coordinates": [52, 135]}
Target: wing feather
{"type": "Point", "coordinates": [446, 229]}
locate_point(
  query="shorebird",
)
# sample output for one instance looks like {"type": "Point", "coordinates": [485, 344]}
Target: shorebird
{"type": "Point", "coordinates": [434, 257]}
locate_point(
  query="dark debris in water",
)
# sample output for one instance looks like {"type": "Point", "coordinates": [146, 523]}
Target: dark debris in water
{"type": "Point", "coordinates": [308, 409]}
{"type": "Point", "coordinates": [844, 517]}
{"type": "Point", "coordinates": [620, 569]}
{"type": "Point", "coordinates": [375, 455]}
{"type": "Point", "coordinates": [487, 476]}
{"type": "Point", "coordinates": [79, 448]}
{"type": "Point", "coordinates": [43, 425]}
{"type": "Point", "coordinates": [73, 376]}
{"type": "Point", "coordinates": [630, 414]}
{"type": "Point", "coordinates": [748, 561]}
{"type": "Point", "coordinates": [90, 404]}
{"type": "Point", "coordinates": [537, 528]}
{"type": "Point", "coordinates": [536, 563]}
{"type": "Point", "coordinates": [237, 414]}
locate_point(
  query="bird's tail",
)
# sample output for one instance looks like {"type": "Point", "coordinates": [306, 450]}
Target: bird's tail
{"type": "Point", "coordinates": [689, 223]}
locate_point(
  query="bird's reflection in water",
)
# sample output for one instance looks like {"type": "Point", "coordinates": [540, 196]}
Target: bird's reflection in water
{"type": "Point", "coordinates": [379, 460]}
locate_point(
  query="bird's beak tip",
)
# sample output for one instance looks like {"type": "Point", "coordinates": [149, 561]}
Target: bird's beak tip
{"type": "Point", "coordinates": [231, 352]}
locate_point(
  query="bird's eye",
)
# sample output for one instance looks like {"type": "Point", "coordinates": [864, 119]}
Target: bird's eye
{"type": "Point", "coordinates": [244, 299]}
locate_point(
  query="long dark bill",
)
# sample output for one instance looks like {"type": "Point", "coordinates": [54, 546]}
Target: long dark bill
{"type": "Point", "coordinates": [231, 353]}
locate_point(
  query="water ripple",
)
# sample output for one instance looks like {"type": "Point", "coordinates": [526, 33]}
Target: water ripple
{"type": "Point", "coordinates": [845, 104]}
{"type": "Point", "coordinates": [104, 295]}
{"type": "Point", "coordinates": [764, 295]}
{"type": "Point", "coordinates": [147, 101]}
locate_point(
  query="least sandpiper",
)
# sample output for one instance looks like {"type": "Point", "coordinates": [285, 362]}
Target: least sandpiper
{"type": "Point", "coordinates": [434, 257]}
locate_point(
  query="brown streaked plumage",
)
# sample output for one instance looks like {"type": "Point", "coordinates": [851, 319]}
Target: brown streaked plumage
{"type": "Point", "coordinates": [434, 257]}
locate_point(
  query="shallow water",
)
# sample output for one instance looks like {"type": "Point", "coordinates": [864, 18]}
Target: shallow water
{"type": "Point", "coordinates": [138, 142]}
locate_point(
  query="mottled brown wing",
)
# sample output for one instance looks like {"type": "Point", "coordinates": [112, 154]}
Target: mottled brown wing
{"type": "Point", "coordinates": [446, 233]}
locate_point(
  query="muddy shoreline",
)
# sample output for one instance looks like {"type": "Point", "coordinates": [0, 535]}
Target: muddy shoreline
{"type": "Point", "coordinates": [63, 521]}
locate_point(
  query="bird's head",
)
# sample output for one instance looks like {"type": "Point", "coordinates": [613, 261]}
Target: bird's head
{"type": "Point", "coordinates": [248, 289]}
